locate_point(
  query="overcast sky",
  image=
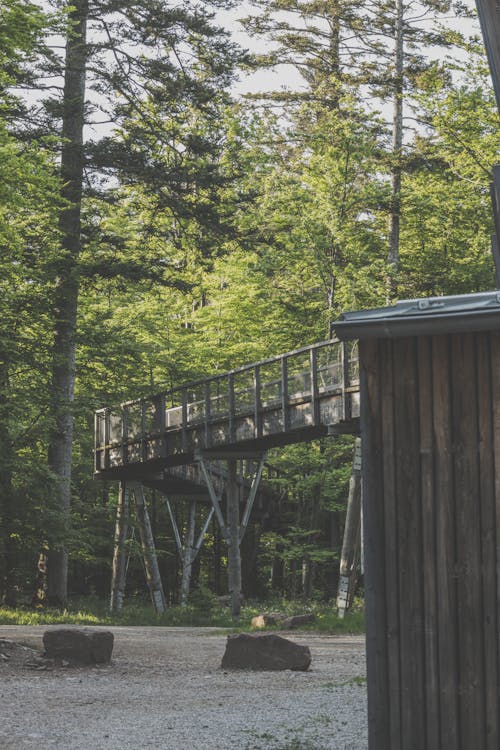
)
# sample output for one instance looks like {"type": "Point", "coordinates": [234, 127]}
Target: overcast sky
{"type": "Point", "coordinates": [287, 76]}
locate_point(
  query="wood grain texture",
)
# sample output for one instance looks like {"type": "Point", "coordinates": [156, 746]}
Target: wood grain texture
{"type": "Point", "coordinates": [468, 538]}
{"type": "Point", "coordinates": [409, 530]}
{"type": "Point", "coordinates": [430, 425]}
{"type": "Point", "coordinates": [488, 535]}
{"type": "Point", "coordinates": [495, 387]}
{"type": "Point", "coordinates": [391, 539]}
{"type": "Point", "coordinates": [429, 542]}
{"type": "Point", "coordinates": [445, 542]}
{"type": "Point", "coordinates": [374, 540]}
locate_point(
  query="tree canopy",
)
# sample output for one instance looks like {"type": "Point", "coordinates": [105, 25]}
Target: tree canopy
{"type": "Point", "coordinates": [156, 229]}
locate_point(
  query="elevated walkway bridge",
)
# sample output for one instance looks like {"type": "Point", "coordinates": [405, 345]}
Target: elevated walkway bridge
{"type": "Point", "coordinates": [295, 397]}
{"type": "Point", "coordinates": [177, 441]}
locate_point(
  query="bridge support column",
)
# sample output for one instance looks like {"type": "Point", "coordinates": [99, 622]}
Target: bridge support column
{"type": "Point", "coordinates": [188, 556]}
{"type": "Point", "coordinates": [148, 551]}
{"type": "Point", "coordinates": [234, 530]}
{"type": "Point", "coordinates": [189, 550]}
{"type": "Point", "coordinates": [119, 569]}
{"type": "Point", "coordinates": [233, 541]}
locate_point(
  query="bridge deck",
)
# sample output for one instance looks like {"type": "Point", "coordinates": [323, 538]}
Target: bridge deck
{"type": "Point", "coordinates": [291, 398]}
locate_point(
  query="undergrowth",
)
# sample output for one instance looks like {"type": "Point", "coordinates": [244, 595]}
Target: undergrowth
{"type": "Point", "coordinates": [91, 611]}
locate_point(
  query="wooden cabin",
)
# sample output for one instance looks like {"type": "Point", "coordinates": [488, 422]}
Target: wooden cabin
{"type": "Point", "coordinates": [430, 427]}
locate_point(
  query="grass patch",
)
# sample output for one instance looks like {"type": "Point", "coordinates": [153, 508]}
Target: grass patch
{"type": "Point", "coordinates": [206, 613]}
{"type": "Point", "coordinates": [23, 616]}
{"type": "Point", "coordinates": [327, 622]}
{"type": "Point", "coordinates": [96, 613]}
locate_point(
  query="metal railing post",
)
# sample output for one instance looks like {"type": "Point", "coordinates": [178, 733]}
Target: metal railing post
{"type": "Point", "coordinates": [208, 411]}
{"type": "Point", "coordinates": [107, 417]}
{"type": "Point", "coordinates": [184, 419]}
{"type": "Point", "coordinates": [144, 447]}
{"type": "Point", "coordinates": [313, 365]}
{"type": "Point", "coordinates": [257, 402]}
{"type": "Point", "coordinates": [284, 394]}
{"type": "Point", "coordinates": [125, 434]}
{"type": "Point", "coordinates": [346, 399]}
{"type": "Point", "coordinates": [232, 407]}
{"type": "Point", "coordinates": [163, 425]}
{"type": "Point", "coordinates": [97, 442]}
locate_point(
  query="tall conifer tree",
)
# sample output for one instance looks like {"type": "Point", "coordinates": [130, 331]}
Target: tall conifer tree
{"type": "Point", "coordinates": [122, 59]}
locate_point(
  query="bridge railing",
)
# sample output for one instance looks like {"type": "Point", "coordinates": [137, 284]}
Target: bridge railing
{"type": "Point", "coordinates": [312, 386]}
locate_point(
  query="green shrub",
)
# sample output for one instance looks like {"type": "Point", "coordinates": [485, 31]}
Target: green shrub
{"type": "Point", "coordinates": [202, 610]}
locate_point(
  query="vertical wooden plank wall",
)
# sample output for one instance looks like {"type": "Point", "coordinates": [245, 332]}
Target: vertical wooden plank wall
{"type": "Point", "coordinates": [374, 549]}
{"type": "Point", "coordinates": [430, 426]}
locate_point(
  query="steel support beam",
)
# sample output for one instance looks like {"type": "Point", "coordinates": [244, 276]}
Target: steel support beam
{"type": "Point", "coordinates": [214, 497]}
{"type": "Point", "coordinates": [252, 495]}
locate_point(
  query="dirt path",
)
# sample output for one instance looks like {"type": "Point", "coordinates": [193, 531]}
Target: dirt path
{"type": "Point", "coordinates": [165, 690]}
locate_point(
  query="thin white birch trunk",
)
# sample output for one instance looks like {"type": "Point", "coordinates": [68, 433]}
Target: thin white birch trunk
{"type": "Point", "coordinates": [188, 555]}
{"type": "Point", "coordinates": [119, 570]}
{"type": "Point", "coordinates": [351, 542]}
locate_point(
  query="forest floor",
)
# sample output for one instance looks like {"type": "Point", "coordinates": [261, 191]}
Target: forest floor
{"type": "Point", "coordinates": [164, 689]}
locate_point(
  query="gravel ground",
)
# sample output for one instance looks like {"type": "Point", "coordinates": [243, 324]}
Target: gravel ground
{"type": "Point", "coordinates": [165, 690]}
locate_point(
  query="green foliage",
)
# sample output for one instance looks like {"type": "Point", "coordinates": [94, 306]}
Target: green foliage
{"type": "Point", "coordinates": [160, 168]}
{"type": "Point", "coordinates": [94, 612]}
{"type": "Point", "coordinates": [21, 26]}
{"type": "Point", "coordinates": [447, 225]}
{"type": "Point", "coordinates": [29, 202]}
{"type": "Point", "coordinates": [215, 234]}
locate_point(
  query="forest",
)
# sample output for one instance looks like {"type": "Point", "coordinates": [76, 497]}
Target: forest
{"type": "Point", "coordinates": [158, 226]}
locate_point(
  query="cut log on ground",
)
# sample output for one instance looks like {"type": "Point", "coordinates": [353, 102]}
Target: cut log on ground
{"type": "Point", "coordinates": [296, 621]}
{"type": "Point", "coordinates": [267, 619]}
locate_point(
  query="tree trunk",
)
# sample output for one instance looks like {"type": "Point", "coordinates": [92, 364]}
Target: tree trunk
{"type": "Point", "coordinates": [119, 570]}
{"type": "Point", "coordinates": [39, 598]}
{"type": "Point", "coordinates": [292, 588]}
{"type": "Point", "coordinates": [233, 552]}
{"type": "Point", "coordinates": [217, 557]}
{"type": "Point", "coordinates": [8, 576]}
{"type": "Point", "coordinates": [307, 577]}
{"type": "Point", "coordinates": [308, 566]}
{"type": "Point", "coordinates": [278, 571]}
{"type": "Point", "coordinates": [188, 554]}
{"type": "Point", "coordinates": [249, 552]}
{"type": "Point", "coordinates": [66, 295]}
{"type": "Point", "coordinates": [195, 572]}
{"type": "Point", "coordinates": [397, 145]}
{"type": "Point", "coordinates": [335, 546]}
{"type": "Point", "coordinates": [333, 72]}
{"type": "Point", "coordinates": [149, 552]}
{"type": "Point", "coordinates": [350, 546]}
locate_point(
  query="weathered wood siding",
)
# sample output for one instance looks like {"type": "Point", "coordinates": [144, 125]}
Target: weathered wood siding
{"type": "Point", "coordinates": [430, 425]}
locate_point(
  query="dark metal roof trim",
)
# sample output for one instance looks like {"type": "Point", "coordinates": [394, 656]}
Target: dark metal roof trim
{"type": "Point", "coordinates": [433, 315]}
